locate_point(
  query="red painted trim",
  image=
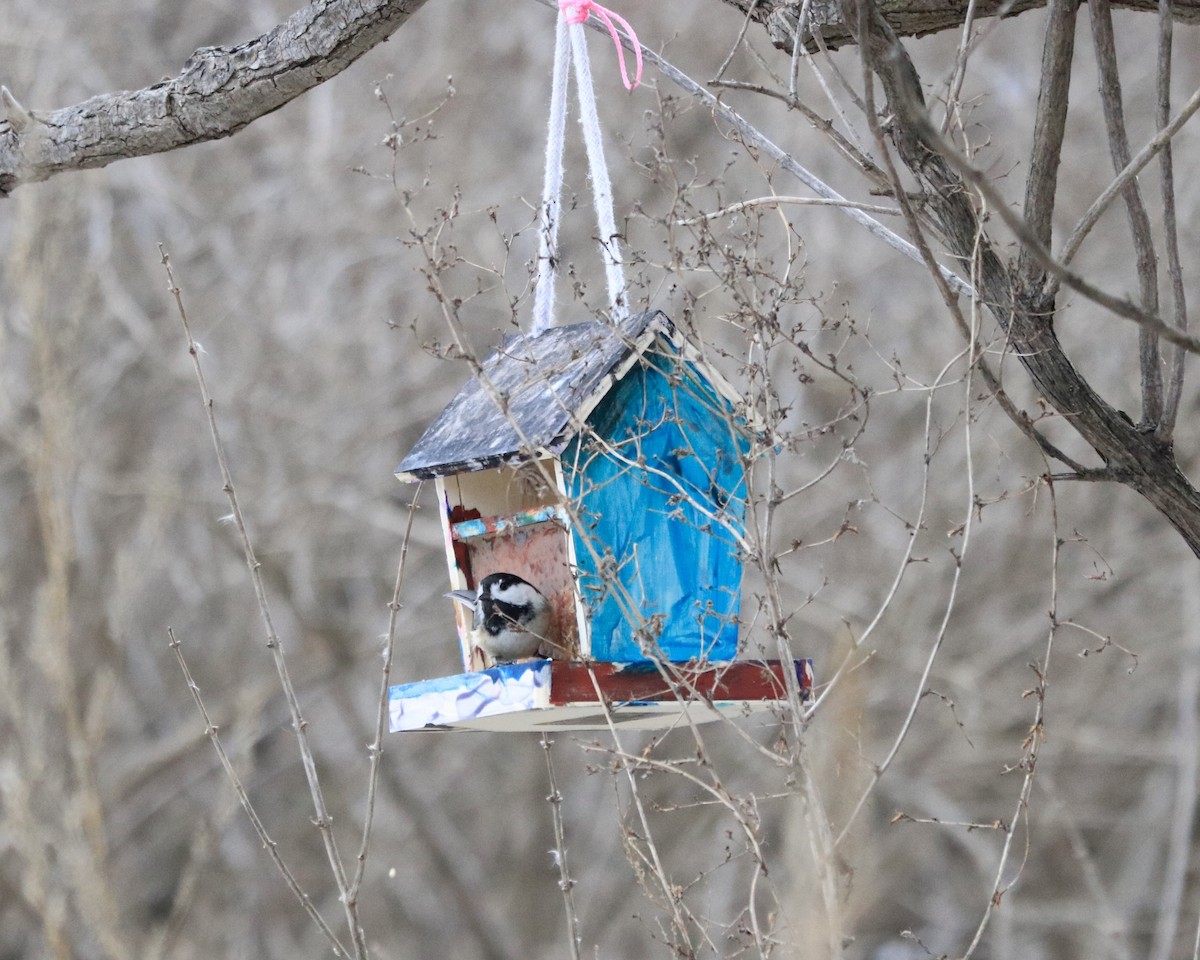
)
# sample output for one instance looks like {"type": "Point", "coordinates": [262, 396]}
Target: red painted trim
{"type": "Point", "coordinates": [462, 552]}
{"type": "Point", "coordinates": [571, 681]}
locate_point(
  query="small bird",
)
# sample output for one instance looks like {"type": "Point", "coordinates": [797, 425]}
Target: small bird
{"type": "Point", "coordinates": [512, 618]}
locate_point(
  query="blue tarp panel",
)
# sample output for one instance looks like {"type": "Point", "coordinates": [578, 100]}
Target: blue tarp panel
{"type": "Point", "coordinates": [663, 494]}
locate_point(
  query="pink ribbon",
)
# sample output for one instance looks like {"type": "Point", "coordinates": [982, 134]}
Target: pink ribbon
{"type": "Point", "coordinates": [577, 11]}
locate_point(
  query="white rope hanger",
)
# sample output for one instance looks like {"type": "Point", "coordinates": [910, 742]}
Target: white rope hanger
{"type": "Point", "coordinates": [570, 47]}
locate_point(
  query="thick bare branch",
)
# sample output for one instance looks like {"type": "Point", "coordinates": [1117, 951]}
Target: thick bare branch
{"type": "Point", "coordinates": [909, 19]}
{"type": "Point", "coordinates": [219, 91]}
{"type": "Point", "coordinates": [1049, 125]}
{"type": "Point", "coordinates": [223, 89]}
{"type": "Point", "coordinates": [1132, 456]}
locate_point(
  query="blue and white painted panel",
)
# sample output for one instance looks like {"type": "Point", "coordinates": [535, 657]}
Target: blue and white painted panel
{"type": "Point", "coordinates": [446, 701]}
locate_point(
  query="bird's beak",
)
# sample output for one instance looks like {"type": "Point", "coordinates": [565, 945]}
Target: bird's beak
{"type": "Point", "coordinates": [465, 597]}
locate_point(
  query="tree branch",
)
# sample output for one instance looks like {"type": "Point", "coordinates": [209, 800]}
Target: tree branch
{"type": "Point", "coordinates": [827, 19]}
{"type": "Point", "coordinates": [1139, 220]}
{"type": "Point", "coordinates": [1049, 125]}
{"type": "Point", "coordinates": [1166, 426]}
{"type": "Point", "coordinates": [1159, 143]}
{"type": "Point", "coordinates": [1135, 457]}
{"type": "Point", "coordinates": [219, 91]}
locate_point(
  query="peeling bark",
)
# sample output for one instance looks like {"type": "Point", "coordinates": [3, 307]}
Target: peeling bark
{"type": "Point", "coordinates": [219, 91]}
{"type": "Point", "coordinates": [911, 18]}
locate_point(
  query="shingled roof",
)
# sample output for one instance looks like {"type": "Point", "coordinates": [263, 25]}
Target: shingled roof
{"type": "Point", "coordinates": [529, 394]}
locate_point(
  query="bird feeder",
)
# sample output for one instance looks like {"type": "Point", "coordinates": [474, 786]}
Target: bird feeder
{"type": "Point", "coordinates": [605, 464]}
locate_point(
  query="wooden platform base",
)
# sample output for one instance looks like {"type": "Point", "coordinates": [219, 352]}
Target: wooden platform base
{"type": "Point", "coordinates": [571, 695]}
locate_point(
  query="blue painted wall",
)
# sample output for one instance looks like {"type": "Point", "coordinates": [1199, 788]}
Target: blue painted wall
{"type": "Point", "coordinates": [642, 541]}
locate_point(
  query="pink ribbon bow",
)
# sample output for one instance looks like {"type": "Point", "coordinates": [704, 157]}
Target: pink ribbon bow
{"type": "Point", "coordinates": [577, 11]}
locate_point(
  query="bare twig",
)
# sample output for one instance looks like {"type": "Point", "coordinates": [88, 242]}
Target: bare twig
{"type": "Point", "coordinates": [777, 201]}
{"type": "Point", "coordinates": [1031, 748]}
{"type": "Point", "coordinates": [1166, 166]}
{"type": "Point", "coordinates": [323, 821]}
{"type": "Point", "coordinates": [1104, 641]}
{"type": "Point", "coordinates": [832, 66]}
{"type": "Point", "coordinates": [881, 768]}
{"type": "Point", "coordinates": [212, 732]}
{"type": "Point", "coordinates": [653, 860]}
{"type": "Point", "coordinates": [1159, 142]}
{"type": "Point", "coordinates": [1038, 250]}
{"type": "Point", "coordinates": [1027, 316]}
{"type": "Point", "coordinates": [737, 41]}
{"type": "Point", "coordinates": [954, 90]}
{"type": "Point", "coordinates": [824, 126]}
{"type": "Point", "coordinates": [565, 883]}
{"type": "Point", "coordinates": [798, 46]}
{"type": "Point", "coordinates": [1041, 185]}
{"type": "Point", "coordinates": [945, 289]}
{"type": "Point", "coordinates": [1139, 220]}
{"type": "Point", "coordinates": [719, 795]}
{"type": "Point", "coordinates": [375, 750]}
{"type": "Point", "coordinates": [747, 130]}
{"type": "Point", "coordinates": [920, 130]}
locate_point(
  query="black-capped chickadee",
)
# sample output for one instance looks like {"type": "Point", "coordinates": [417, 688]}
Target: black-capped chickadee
{"type": "Point", "coordinates": [512, 618]}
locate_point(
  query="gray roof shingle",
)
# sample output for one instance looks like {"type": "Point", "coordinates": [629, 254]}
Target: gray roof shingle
{"type": "Point", "coordinates": [527, 396]}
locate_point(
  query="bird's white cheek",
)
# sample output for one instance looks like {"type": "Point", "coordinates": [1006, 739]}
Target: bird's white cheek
{"type": "Point", "coordinates": [519, 594]}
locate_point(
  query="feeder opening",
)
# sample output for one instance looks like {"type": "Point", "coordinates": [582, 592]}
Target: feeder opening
{"type": "Point", "coordinates": [510, 519]}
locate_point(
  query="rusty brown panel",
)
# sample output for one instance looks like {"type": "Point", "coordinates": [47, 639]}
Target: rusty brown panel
{"type": "Point", "coordinates": [740, 680]}
{"type": "Point", "coordinates": [539, 554]}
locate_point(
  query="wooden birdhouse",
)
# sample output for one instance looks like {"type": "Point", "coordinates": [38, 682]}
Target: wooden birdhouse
{"type": "Point", "coordinates": [605, 465]}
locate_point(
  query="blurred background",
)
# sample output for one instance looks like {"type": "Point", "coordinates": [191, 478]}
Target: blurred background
{"type": "Point", "coordinates": [305, 247]}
